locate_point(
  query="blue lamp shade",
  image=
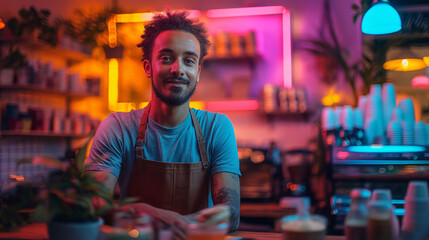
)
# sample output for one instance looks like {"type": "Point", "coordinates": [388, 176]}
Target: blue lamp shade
{"type": "Point", "coordinates": [381, 18]}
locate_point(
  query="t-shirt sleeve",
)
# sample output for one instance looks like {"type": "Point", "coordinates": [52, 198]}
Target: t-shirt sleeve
{"type": "Point", "coordinates": [105, 153]}
{"type": "Point", "coordinates": [224, 156]}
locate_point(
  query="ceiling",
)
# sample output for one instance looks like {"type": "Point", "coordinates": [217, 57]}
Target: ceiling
{"type": "Point", "coordinates": [403, 3]}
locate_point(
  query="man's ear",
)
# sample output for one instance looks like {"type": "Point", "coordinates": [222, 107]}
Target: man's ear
{"type": "Point", "coordinates": [147, 68]}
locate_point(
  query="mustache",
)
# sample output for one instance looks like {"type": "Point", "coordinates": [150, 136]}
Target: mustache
{"type": "Point", "coordinates": [177, 79]}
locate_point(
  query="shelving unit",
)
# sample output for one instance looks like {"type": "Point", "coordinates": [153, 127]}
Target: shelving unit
{"type": "Point", "coordinates": [15, 143]}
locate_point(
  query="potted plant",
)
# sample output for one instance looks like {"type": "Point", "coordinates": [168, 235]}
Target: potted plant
{"type": "Point", "coordinates": [9, 64]}
{"type": "Point", "coordinates": [69, 199]}
{"type": "Point", "coordinates": [13, 202]}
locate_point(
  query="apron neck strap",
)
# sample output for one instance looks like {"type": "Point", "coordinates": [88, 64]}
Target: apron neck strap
{"type": "Point", "coordinates": [141, 132]}
{"type": "Point", "coordinates": [200, 139]}
{"type": "Point", "coordinates": [198, 132]}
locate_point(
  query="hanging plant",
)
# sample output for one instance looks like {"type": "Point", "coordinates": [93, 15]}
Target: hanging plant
{"type": "Point", "coordinates": [89, 27]}
{"type": "Point", "coordinates": [332, 58]}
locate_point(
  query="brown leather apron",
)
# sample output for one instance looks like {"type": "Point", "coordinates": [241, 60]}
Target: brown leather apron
{"type": "Point", "coordinates": [180, 187]}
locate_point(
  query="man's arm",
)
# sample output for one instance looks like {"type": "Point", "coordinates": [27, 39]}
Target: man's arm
{"type": "Point", "coordinates": [107, 178]}
{"type": "Point", "coordinates": [226, 189]}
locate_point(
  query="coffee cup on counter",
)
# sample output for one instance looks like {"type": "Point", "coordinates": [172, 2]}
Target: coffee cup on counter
{"type": "Point", "coordinates": [303, 226]}
{"type": "Point", "coordinates": [197, 231]}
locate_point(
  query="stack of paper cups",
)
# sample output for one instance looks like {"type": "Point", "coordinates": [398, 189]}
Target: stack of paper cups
{"type": "Point", "coordinates": [407, 108]}
{"type": "Point", "coordinates": [362, 105]}
{"type": "Point", "coordinates": [347, 118]}
{"type": "Point", "coordinates": [375, 89]}
{"type": "Point", "coordinates": [358, 118]}
{"type": "Point", "coordinates": [394, 133]}
{"type": "Point", "coordinates": [427, 133]}
{"type": "Point", "coordinates": [338, 110]}
{"type": "Point", "coordinates": [374, 113]}
{"type": "Point", "coordinates": [414, 223]}
{"type": "Point", "coordinates": [372, 132]}
{"type": "Point", "coordinates": [408, 133]}
{"type": "Point", "coordinates": [397, 114]}
{"type": "Point", "coordinates": [328, 119]}
{"type": "Point", "coordinates": [389, 101]}
{"type": "Point", "coordinates": [420, 133]}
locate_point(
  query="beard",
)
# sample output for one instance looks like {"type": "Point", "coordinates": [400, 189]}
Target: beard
{"type": "Point", "coordinates": [177, 97]}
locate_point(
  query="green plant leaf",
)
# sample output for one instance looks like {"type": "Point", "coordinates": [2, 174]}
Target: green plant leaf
{"type": "Point", "coordinates": [355, 6]}
{"type": "Point", "coordinates": [45, 161]}
{"type": "Point", "coordinates": [41, 214]}
{"type": "Point", "coordinates": [80, 158]}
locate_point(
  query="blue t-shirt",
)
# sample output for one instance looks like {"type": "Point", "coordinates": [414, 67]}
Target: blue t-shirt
{"type": "Point", "coordinates": [113, 147]}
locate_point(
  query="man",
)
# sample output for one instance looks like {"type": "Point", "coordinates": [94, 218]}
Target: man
{"type": "Point", "coordinates": [176, 160]}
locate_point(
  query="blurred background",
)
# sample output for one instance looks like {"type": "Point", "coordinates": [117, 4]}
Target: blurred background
{"type": "Point", "coordinates": [273, 67]}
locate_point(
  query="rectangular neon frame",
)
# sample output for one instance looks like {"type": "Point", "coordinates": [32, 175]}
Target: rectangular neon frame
{"type": "Point", "coordinates": [286, 29]}
{"type": "Point", "coordinates": [214, 13]}
{"type": "Point", "coordinates": [219, 106]}
{"type": "Point", "coordinates": [240, 105]}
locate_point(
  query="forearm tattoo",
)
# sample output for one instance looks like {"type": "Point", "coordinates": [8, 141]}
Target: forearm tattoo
{"type": "Point", "coordinates": [232, 198]}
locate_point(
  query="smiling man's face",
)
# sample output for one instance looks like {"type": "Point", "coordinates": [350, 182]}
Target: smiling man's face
{"type": "Point", "coordinates": [174, 67]}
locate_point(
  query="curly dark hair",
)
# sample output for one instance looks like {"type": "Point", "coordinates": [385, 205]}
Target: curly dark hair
{"type": "Point", "coordinates": [173, 21]}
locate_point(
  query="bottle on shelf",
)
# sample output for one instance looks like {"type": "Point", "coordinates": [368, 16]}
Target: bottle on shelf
{"type": "Point", "coordinates": [357, 218]}
{"type": "Point", "coordinates": [382, 223]}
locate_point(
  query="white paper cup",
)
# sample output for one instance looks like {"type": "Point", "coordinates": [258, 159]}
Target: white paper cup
{"type": "Point", "coordinates": [414, 223]}
{"type": "Point", "coordinates": [420, 133]}
{"type": "Point", "coordinates": [375, 89]}
{"type": "Point", "coordinates": [347, 118]}
{"type": "Point", "coordinates": [396, 114]}
{"type": "Point", "coordinates": [417, 191]}
{"type": "Point", "coordinates": [358, 118]}
{"type": "Point", "coordinates": [328, 119]}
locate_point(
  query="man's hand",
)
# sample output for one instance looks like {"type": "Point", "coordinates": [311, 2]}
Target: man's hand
{"type": "Point", "coordinates": [176, 222]}
{"type": "Point", "coordinates": [214, 215]}
{"type": "Point", "coordinates": [226, 190]}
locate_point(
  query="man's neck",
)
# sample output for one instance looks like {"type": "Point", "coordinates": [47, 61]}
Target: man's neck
{"type": "Point", "coordinates": [168, 115]}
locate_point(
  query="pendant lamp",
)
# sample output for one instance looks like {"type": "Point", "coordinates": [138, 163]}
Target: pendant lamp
{"type": "Point", "coordinates": [422, 81]}
{"type": "Point", "coordinates": [404, 59]}
{"type": "Point", "coordinates": [381, 18]}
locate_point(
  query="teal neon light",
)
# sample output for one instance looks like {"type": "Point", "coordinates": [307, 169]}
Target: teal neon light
{"type": "Point", "coordinates": [381, 18]}
{"type": "Point", "coordinates": [386, 149]}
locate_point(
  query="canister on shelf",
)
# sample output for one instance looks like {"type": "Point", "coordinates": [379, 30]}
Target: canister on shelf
{"type": "Point", "coordinates": [236, 45]}
{"type": "Point", "coordinates": [270, 92]}
{"type": "Point", "coordinates": [250, 43]}
{"type": "Point", "coordinates": [223, 44]}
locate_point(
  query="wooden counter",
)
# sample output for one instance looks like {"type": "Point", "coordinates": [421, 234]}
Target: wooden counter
{"type": "Point", "coordinates": [266, 210]}
{"type": "Point", "coordinates": [38, 231]}
{"type": "Point", "coordinates": [268, 236]}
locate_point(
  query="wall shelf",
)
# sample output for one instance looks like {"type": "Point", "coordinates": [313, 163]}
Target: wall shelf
{"type": "Point", "coordinates": [13, 133]}
{"type": "Point", "coordinates": [43, 90]}
{"type": "Point", "coordinates": [291, 116]}
{"type": "Point", "coordinates": [251, 58]}
{"type": "Point", "coordinates": [39, 45]}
